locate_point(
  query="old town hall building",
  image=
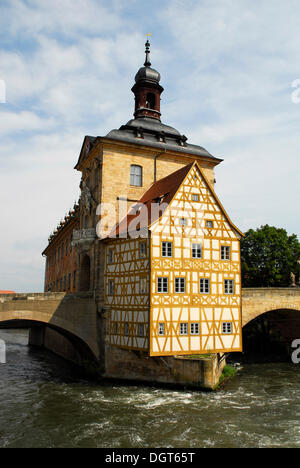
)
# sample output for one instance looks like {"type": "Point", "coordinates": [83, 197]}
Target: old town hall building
{"type": "Point", "coordinates": [150, 238]}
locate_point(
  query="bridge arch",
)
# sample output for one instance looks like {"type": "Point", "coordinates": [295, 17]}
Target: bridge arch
{"type": "Point", "coordinates": [270, 335]}
{"type": "Point", "coordinates": [72, 316]}
{"type": "Point", "coordinates": [38, 336]}
{"type": "Point", "coordinates": [259, 301]}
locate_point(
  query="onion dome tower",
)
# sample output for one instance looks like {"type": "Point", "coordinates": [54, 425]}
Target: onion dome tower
{"type": "Point", "coordinates": [147, 90]}
{"type": "Point", "coordinates": [146, 128]}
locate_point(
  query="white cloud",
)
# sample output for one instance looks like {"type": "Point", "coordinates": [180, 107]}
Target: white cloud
{"type": "Point", "coordinates": [227, 69]}
{"type": "Point", "coordinates": [13, 122]}
{"type": "Point", "coordinates": [63, 17]}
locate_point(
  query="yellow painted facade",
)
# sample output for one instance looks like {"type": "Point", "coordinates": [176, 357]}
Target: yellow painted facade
{"type": "Point", "coordinates": [127, 292]}
{"type": "Point", "coordinates": [182, 296]}
{"type": "Point", "coordinates": [192, 320]}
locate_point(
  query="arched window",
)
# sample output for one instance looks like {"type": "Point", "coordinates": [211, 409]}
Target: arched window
{"type": "Point", "coordinates": [136, 175]}
{"type": "Point", "coordinates": [150, 101]}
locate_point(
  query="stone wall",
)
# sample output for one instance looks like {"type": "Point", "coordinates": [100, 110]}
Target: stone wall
{"type": "Point", "coordinates": [203, 372]}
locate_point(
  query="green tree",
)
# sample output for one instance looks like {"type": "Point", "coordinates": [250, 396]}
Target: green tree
{"type": "Point", "coordinates": [269, 256]}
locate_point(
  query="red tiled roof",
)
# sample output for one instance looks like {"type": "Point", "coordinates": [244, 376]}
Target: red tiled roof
{"type": "Point", "coordinates": [154, 201]}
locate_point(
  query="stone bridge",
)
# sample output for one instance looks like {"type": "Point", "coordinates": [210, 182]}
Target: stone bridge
{"type": "Point", "coordinates": [57, 320]}
{"type": "Point", "coordinates": [72, 316]}
{"type": "Point", "coordinates": [69, 325]}
{"type": "Point", "coordinates": [258, 301]}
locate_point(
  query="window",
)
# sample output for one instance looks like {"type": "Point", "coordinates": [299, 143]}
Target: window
{"type": "Point", "coordinates": [110, 256]}
{"type": "Point", "coordinates": [150, 101]}
{"type": "Point", "coordinates": [227, 328]}
{"type": "Point", "coordinates": [141, 329]}
{"type": "Point", "coordinates": [195, 329]}
{"type": "Point", "coordinates": [126, 329]}
{"type": "Point", "coordinates": [167, 249]}
{"type": "Point", "coordinates": [195, 197]}
{"type": "Point", "coordinates": [184, 328]}
{"type": "Point", "coordinates": [204, 286]}
{"type": "Point", "coordinates": [143, 285]}
{"type": "Point", "coordinates": [228, 286]}
{"type": "Point", "coordinates": [196, 250]}
{"type": "Point", "coordinates": [161, 329]}
{"type": "Point", "coordinates": [182, 222]}
{"type": "Point", "coordinates": [69, 281]}
{"type": "Point", "coordinates": [180, 285]}
{"type": "Point", "coordinates": [136, 175]}
{"type": "Point", "coordinates": [60, 284]}
{"type": "Point", "coordinates": [65, 283]}
{"type": "Point", "coordinates": [143, 249]}
{"type": "Point", "coordinates": [74, 279]}
{"type": "Point", "coordinates": [162, 285]}
{"type": "Point", "coordinates": [209, 224]}
{"type": "Point", "coordinates": [115, 328]}
{"type": "Point", "coordinates": [111, 287]}
{"type": "Point", "coordinates": [225, 252]}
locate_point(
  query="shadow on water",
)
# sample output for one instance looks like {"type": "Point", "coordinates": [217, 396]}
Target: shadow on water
{"type": "Point", "coordinates": [36, 364]}
{"type": "Point", "coordinates": [269, 337]}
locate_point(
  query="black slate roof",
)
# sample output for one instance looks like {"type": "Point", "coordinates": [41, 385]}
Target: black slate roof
{"type": "Point", "coordinates": [145, 131]}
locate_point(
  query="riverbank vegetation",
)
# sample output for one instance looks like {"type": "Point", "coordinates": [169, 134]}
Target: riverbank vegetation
{"type": "Point", "coordinates": [228, 373]}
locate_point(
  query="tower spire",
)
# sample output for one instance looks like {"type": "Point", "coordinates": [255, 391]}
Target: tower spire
{"type": "Point", "coordinates": [147, 52]}
{"type": "Point", "coordinates": [147, 89]}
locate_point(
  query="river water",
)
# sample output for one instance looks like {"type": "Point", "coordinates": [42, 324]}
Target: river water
{"type": "Point", "coordinates": [45, 402]}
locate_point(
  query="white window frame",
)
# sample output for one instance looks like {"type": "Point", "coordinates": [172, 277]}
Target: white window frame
{"type": "Point", "coordinates": [195, 197]}
{"type": "Point", "coordinates": [162, 285]}
{"type": "Point", "coordinates": [110, 256]}
{"type": "Point", "coordinates": [161, 329]}
{"type": "Point", "coordinates": [143, 249]}
{"type": "Point", "coordinates": [195, 328]}
{"type": "Point", "coordinates": [228, 286]}
{"type": "Point", "coordinates": [136, 175]}
{"type": "Point", "coordinates": [111, 287]}
{"type": "Point", "coordinates": [196, 249]}
{"type": "Point", "coordinates": [184, 329]}
{"type": "Point", "coordinates": [227, 328]}
{"type": "Point", "coordinates": [204, 286]}
{"type": "Point", "coordinates": [225, 252]}
{"type": "Point", "coordinates": [179, 285]}
{"type": "Point", "coordinates": [167, 249]}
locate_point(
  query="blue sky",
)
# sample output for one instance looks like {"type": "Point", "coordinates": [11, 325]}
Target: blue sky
{"type": "Point", "coordinates": [227, 67]}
